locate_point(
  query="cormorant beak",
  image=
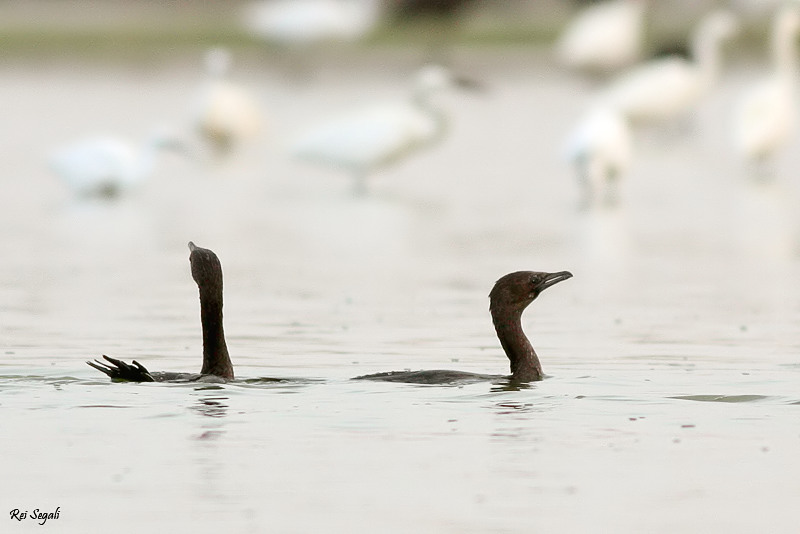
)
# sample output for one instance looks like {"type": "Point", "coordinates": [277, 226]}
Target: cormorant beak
{"type": "Point", "coordinates": [552, 279]}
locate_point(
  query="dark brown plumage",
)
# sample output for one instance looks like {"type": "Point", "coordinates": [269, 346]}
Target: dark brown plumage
{"type": "Point", "coordinates": [207, 272]}
{"type": "Point", "coordinates": [509, 297]}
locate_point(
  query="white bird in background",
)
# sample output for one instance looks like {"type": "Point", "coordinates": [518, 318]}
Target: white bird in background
{"type": "Point", "coordinates": [603, 37]}
{"type": "Point", "coordinates": [666, 88]}
{"type": "Point", "coordinates": [601, 149]}
{"type": "Point", "coordinates": [298, 23]}
{"type": "Point", "coordinates": [765, 117]}
{"type": "Point", "coordinates": [107, 166]}
{"type": "Point", "coordinates": [224, 113]}
{"type": "Point", "coordinates": [374, 137]}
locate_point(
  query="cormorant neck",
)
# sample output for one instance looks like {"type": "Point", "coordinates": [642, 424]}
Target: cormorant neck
{"type": "Point", "coordinates": [216, 360]}
{"type": "Point", "coordinates": [525, 365]}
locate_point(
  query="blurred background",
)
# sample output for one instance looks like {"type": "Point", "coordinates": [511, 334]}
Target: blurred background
{"type": "Point", "coordinates": [63, 27]}
{"type": "Point", "coordinates": [365, 170]}
{"type": "Point", "coordinates": [334, 145]}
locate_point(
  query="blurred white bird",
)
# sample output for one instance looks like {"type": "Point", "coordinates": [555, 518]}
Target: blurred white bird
{"type": "Point", "coordinates": [224, 113]}
{"type": "Point", "coordinates": [603, 37]}
{"type": "Point", "coordinates": [297, 23]}
{"type": "Point", "coordinates": [373, 137]}
{"type": "Point", "coordinates": [107, 166]}
{"type": "Point", "coordinates": [765, 117]}
{"type": "Point", "coordinates": [601, 149]}
{"type": "Point", "coordinates": [666, 88]}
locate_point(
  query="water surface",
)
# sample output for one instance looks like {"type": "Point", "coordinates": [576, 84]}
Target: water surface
{"type": "Point", "coordinates": [672, 401]}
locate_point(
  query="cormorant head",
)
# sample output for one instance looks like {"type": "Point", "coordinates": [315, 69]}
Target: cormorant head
{"type": "Point", "coordinates": [515, 291]}
{"type": "Point", "coordinates": [206, 268]}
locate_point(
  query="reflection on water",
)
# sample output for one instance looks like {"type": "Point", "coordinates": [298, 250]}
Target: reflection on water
{"type": "Point", "coordinates": [211, 406]}
{"type": "Point", "coordinates": [686, 291]}
{"type": "Point", "coordinates": [509, 385]}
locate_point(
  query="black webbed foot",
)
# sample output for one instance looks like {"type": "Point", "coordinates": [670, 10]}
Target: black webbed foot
{"type": "Point", "coordinates": [119, 370]}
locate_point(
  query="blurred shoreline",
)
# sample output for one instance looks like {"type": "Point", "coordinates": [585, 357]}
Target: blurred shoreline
{"type": "Point", "coordinates": [42, 28]}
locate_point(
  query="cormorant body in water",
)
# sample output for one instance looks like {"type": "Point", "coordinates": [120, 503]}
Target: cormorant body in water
{"type": "Point", "coordinates": [217, 366]}
{"type": "Point", "coordinates": [509, 297]}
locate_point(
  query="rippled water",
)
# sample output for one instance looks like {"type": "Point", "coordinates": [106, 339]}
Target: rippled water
{"type": "Point", "coordinates": [672, 401]}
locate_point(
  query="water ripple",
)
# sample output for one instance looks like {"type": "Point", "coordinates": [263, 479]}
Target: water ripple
{"type": "Point", "coordinates": [723, 398]}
